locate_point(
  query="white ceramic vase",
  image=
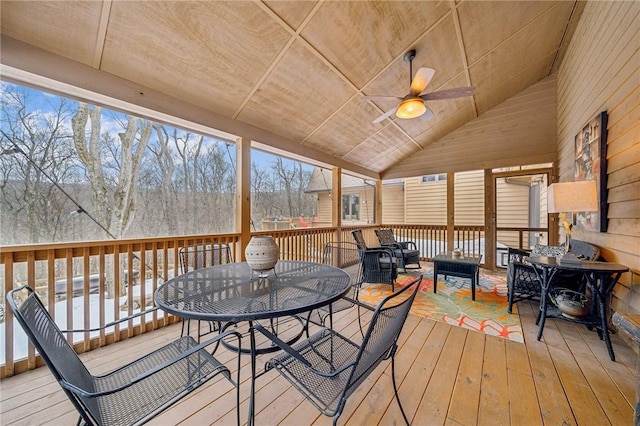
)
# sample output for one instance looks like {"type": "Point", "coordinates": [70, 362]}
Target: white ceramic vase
{"type": "Point", "coordinates": [262, 253]}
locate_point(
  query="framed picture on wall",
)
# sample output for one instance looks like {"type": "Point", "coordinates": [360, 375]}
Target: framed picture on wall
{"type": "Point", "coordinates": [591, 164]}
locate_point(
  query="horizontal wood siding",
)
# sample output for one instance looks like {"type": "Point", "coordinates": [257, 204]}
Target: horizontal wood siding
{"type": "Point", "coordinates": [324, 207]}
{"type": "Point", "coordinates": [426, 203]}
{"type": "Point", "coordinates": [601, 72]}
{"type": "Point", "coordinates": [512, 211]}
{"type": "Point", "coordinates": [393, 204]}
{"type": "Point", "coordinates": [469, 198]}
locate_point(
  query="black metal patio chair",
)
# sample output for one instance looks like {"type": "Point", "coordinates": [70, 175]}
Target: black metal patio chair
{"type": "Point", "coordinates": [132, 394]}
{"type": "Point", "coordinates": [406, 251]}
{"type": "Point", "coordinates": [328, 367]}
{"type": "Point", "coordinates": [199, 256]}
{"type": "Point", "coordinates": [343, 255]}
{"type": "Point", "coordinates": [379, 265]}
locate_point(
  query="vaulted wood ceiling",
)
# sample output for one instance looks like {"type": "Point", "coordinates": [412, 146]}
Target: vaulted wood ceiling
{"type": "Point", "coordinates": [291, 74]}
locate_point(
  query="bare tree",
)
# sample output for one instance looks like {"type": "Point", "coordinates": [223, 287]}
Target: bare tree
{"type": "Point", "coordinates": [164, 168]}
{"type": "Point", "coordinates": [114, 203]}
{"type": "Point", "coordinates": [43, 158]}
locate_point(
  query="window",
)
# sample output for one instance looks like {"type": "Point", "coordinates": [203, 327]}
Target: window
{"type": "Point", "coordinates": [434, 178]}
{"type": "Point", "coordinates": [351, 207]}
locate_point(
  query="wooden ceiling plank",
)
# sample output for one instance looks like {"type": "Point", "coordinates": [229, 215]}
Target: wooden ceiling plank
{"type": "Point", "coordinates": [102, 33]}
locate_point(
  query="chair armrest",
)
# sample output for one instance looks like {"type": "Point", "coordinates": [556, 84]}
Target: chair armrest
{"type": "Point", "coordinates": [385, 251]}
{"type": "Point", "coordinates": [86, 394]}
{"type": "Point", "coordinates": [292, 352]}
{"type": "Point", "coordinates": [517, 255]}
{"type": "Point", "coordinates": [112, 323]}
{"type": "Point", "coordinates": [359, 303]}
{"type": "Point", "coordinates": [409, 245]}
{"type": "Point", "coordinates": [394, 246]}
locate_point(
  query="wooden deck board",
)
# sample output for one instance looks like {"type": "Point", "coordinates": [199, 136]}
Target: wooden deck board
{"type": "Point", "coordinates": [465, 400]}
{"type": "Point", "coordinates": [447, 375]}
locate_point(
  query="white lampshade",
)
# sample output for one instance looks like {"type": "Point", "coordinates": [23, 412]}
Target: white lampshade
{"type": "Point", "coordinates": [579, 196]}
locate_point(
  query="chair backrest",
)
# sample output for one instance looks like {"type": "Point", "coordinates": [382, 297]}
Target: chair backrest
{"type": "Point", "coordinates": [584, 249]}
{"type": "Point", "coordinates": [55, 350]}
{"type": "Point", "coordinates": [340, 254]}
{"type": "Point", "coordinates": [385, 237]}
{"type": "Point", "coordinates": [380, 341]}
{"type": "Point", "coordinates": [203, 255]}
{"type": "Point", "coordinates": [344, 255]}
{"type": "Point", "coordinates": [359, 238]}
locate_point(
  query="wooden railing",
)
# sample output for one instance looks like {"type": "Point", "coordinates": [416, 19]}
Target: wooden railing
{"type": "Point", "coordinates": [115, 279]}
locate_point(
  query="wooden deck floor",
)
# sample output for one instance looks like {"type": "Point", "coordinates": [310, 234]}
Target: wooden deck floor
{"type": "Point", "coordinates": [447, 375]}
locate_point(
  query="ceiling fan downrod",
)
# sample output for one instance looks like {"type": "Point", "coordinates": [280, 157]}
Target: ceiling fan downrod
{"type": "Point", "coordinates": [408, 57]}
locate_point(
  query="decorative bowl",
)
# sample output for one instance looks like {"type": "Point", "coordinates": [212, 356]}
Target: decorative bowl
{"type": "Point", "coordinates": [571, 303]}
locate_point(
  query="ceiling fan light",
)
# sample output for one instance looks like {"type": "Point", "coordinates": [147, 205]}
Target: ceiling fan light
{"type": "Point", "coordinates": [411, 108]}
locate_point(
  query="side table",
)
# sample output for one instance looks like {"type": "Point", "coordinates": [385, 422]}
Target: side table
{"type": "Point", "coordinates": [601, 278]}
{"type": "Point", "coordinates": [457, 266]}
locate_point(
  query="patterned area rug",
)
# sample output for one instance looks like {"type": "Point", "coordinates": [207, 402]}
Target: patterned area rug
{"type": "Point", "coordinates": [452, 303]}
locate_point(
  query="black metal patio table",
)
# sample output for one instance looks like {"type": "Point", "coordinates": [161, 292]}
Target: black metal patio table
{"type": "Point", "coordinates": [233, 293]}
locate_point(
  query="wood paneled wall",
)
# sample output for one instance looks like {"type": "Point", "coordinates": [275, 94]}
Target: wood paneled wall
{"type": "Point", "coordinates": [601, 71]}
{"type": "Point", "coordinates": [521, 130]}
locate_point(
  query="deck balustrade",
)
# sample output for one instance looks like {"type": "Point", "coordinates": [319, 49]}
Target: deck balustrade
{"type": "Point", "coordinates": [101, 281]}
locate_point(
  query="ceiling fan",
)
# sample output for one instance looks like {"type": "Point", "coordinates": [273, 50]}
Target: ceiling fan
{"type": "Point", "coordinates": [413, 104]}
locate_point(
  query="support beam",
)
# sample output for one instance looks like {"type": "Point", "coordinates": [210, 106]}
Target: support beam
{"type": "Point", "coordinates": [243, 194]}
{"type": "Point", "coordinates": [489, 220]}
{"type": "Point", "coordinates": [336, 198]}
{"type": "Point", "coordinates": [451, 211]}
{"type": "Point", "coordinates": [377, 212]}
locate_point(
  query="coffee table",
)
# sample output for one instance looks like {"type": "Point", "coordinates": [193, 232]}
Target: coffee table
{"type": "Point", "coordinates": [458, 266]}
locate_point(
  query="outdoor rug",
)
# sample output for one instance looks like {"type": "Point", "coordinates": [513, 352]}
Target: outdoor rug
{"type": "Point", "coordinates": [452, 303]}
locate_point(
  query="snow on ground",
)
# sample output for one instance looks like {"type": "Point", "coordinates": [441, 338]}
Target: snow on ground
{"type": "Point", "coordinates": [20, 338]}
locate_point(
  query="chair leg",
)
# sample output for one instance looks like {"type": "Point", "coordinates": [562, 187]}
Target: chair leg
{"type": "Point", "coordinates": [395, 389]}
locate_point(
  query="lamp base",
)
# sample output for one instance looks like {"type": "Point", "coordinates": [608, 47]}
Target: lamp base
{"type": "Point", "coordinates": [569, 259]}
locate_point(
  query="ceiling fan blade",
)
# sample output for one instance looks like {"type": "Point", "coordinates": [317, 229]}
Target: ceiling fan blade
{"type": "Point", "coordinates": [428, 115]}
{"type": "Point", "coordinates": [383, 98]}
{"type": "Point", "coordinates": [420, 80]}
{"type": "Point", "coordinates": [457, 92]}
{"type": "Point", "coordinates": [385, 115]}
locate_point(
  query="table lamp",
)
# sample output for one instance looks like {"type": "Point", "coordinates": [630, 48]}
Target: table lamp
{"type": "Point", "coordinates": [571, 197]}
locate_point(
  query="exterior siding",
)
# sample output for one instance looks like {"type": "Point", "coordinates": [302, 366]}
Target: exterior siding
{"type": "Point", "coordinates": [324, 208]}
{"type": "Point", "coordinates": [512, 211]}
{"type": "Point", "coordinates": [392, 204]}
{"type": "Point", "coordinates": [425, 203]}
{"type": "Point", "coordinates": [469, 198]}
{"type": "Point", "coordinates": [601, 71]}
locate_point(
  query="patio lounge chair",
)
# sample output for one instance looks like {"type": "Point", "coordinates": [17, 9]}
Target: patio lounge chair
{"type": "Point", "coordinates": [406, 251]}
{"type": "Point", "coordinates": [132, 394]}
{"type": "Point", "coordinates": [379, 265]}
{"type": "Point", "coordinates": [328, 367]}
